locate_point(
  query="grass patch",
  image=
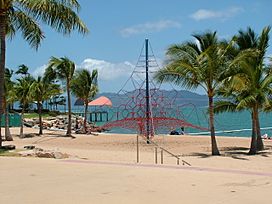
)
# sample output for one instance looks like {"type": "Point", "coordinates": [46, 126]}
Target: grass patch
{"type": "Point", "coordinates": [44, 115]}
{"type": "Point", "coordinates": [6, 153]}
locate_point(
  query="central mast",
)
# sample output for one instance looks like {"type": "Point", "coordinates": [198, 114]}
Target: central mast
{"type": "Point", "coordinates": [147, 93]}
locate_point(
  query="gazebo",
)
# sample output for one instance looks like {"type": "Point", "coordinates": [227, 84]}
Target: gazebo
{"type": "Point", "coordinates": [97, 116]}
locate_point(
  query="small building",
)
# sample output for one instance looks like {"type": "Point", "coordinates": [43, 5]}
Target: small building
{"type": "Point", "coordinates": [97, 115]}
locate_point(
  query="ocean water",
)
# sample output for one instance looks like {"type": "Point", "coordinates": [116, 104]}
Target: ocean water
{"type": "Point", "coordinates": [226, 124]}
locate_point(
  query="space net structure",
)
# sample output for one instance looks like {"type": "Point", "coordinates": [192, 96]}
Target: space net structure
{"type": "Point", "coordinates": [144, 107]}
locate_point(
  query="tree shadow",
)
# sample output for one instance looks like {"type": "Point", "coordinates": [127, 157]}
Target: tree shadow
{"type": "Point", "coordinates": [240, 153]}
{"type": "Point", "coordinates": [28, 135]}
{"type": "Point", "coordinates": [201, 155]}
{"type": "Point", "coordinates": [234, 149]}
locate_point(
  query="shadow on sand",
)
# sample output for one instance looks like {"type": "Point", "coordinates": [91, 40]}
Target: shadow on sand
{"type": "Point", "coordinates": [240, 153]}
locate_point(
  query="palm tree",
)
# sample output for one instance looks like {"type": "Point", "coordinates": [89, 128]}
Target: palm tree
{"type": "Point", "coordinates": [260, 81]}
{"type": "Point", "coordinates": [41, 90]}
{"type": "Point", "coordinates": [23, 70]}
{"type": "Point", "coordinates": [194, 64]}
{"type": "Point", "coordinates": [63, 69]}
{"type": "Point", "coordinates": [250, 80]}
{"type": "Point", "coordinates": [84, 86]}
{"type": "Point", "coordinates": [8, 97]}
{"type": "Point", "coordinates": [22, 90]}
{"type": "Point", "coordinates": [25, 15]}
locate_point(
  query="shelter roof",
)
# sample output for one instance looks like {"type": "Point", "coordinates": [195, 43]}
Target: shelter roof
{"type": "Point", "coordinates": [101, 101]}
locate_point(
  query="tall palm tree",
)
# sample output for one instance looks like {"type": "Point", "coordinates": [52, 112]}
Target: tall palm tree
{"type": "Point", "coordinates": [194, 64]}
{"type": "Point", "coordinates": [41, 90]}
{"type": "Point", "coordinates": [8, 97]}
{"type": "Point", "coordinates": [22, 89]}
{"type": "Point", "coordinates": [25, 16]}
{"type": "Point", "coordinates": [63, 69]}
{"type": "Point", "coordinates": [84, 86]}
{"type": "Point", "coordinates": [260, 81]}
{"type": "Point", "coordinates": [250, 80]}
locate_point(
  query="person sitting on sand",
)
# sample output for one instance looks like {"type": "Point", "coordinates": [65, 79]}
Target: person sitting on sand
{"type": "Point", "coordinates": [265, 136]}
{"type": "Point", "coordinates": [174, 132]}
{"type": "Point", "coordinates": [182, 131]}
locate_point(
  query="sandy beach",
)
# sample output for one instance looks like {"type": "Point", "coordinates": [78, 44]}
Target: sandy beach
{"type": "Point", "coordinates": [104, 169]}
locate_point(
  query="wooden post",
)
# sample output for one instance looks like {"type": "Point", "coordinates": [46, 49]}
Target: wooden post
{"type": "Point", "coordinates": [95, 117]}
{"type": "Point", "coordinates": [101, 117]}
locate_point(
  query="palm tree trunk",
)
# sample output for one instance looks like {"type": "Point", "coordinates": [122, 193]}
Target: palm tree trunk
{"type": "Point", "coordinates": [22, 123]}
{"type": "Point", "coordinates": [8, 136]}
{"type": "Point", "coordinates": [85, 116]}
{"type": "Point", "coordinates": [2, 64]}
{"type": "Point", "coordinates": [69, 128]}
{"type": "Point", "coordinates": [260, 145]}
{"type": "Point", "coordinates": [40, 118]}
{"type": "Point", "coordinates": [253, 145]}
{"type": "Point", "coordinates": [253, 126]}
{"type": "Point", "coordinates": [215, 150]}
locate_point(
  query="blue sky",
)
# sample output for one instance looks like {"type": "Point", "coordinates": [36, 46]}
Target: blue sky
{"type": "Point", "coordinates": [118, 29]}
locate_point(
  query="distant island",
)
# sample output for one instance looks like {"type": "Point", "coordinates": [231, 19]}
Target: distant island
{"type": "Point", "coordinates": [181, 97]}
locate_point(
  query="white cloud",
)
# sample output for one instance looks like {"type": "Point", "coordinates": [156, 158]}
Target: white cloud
{"type": "Point", "coordinates": [149, 27]}
{"type": "Point", "coordinates": [107, 70]}
{"type": "Point", "coordinates": [39, 71]}
{"type": "Point", "coordinates": [204, 14]}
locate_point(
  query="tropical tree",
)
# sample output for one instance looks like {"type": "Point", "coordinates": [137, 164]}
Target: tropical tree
{"type": "Point", "coordinates": [197, 64]}
{"type": "Point", "coordinates": [9, 97]}
{"type": "Point", "coordinates": [23, 70]}
{"type": "Point", "coordinates": [63, 69]}
{"type": "Point", "coordinates": [25, 15]}
{"type": "Point", "coordinates": [84, 86]}
{"type": "Point", "coordinates": [41, 90]}
{"type": "Point", "coordinates": [22, 90]}
{"type": "Point", "coordinates": [250, 80]}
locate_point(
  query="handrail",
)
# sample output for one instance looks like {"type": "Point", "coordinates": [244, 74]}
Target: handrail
{"type": "Point", "coordinates": [173, 155]}
{"type": "Point", "coordinates": [167, 151]}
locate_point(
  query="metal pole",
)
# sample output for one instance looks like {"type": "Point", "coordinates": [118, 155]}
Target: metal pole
{"type": "Point", "coordinates": [156, 155]}
{"type": "Point", "coordinates": [137, 148]}
{"type": "Point", "coordinates": [147, 93]}
{"type": "Point", "coordinates": [161, 156]}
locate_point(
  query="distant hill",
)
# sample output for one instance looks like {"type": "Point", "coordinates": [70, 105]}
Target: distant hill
{"type": "Point", "coordinates": [181, 97]}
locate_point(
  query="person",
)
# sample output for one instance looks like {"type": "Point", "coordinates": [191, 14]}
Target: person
{"type": "Point", "coordinates": [182, 131]}
{"type": "Point", "coordinates": [265, 136]}
{"type": "Point", "coordinates": [174, 132]}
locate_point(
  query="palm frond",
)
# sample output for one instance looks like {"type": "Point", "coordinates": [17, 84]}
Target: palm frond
{"type": "Point", "coordinates": [225, 106]}
{"type": "Point", "coordinates": [58, 14]}
{"type": "Point", "coordinates": [30, 29]}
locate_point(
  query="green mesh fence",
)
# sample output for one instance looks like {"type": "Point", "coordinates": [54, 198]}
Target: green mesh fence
{"type": "Point", "coordinates": [14, 120]}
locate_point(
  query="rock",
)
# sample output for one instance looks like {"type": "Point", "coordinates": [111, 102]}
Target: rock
{"type": "Point", "coordinates": [28, 124]}
{"type": "Point", "coordinates": [27, 153]}
{"type": "Point", "coordinates": [29, 147]}
{"type": "Point", "coordinates": [36, 126]}
{"type": "Point", "coordinates": [8, 147]}
{"type": "Point", "coordinates": [38, 149]}
{"type": "Point", "coordinates": [59, 155]}
{"type": "Point", "coordinates": [45, 154]}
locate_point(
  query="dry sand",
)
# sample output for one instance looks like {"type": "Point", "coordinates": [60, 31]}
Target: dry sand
{"type": "Point", "coordinates": [103, 169]}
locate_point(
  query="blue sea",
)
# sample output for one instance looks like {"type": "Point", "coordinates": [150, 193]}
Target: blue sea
{"type": "Point", "coordinates": [226, 124]}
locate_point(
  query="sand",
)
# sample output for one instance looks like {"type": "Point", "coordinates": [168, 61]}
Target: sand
{"type": "Point", "coordinates": [103, 169]}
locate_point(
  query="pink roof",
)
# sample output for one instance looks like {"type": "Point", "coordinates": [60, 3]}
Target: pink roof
{"type": "Point", "coordinates": [101, 101]}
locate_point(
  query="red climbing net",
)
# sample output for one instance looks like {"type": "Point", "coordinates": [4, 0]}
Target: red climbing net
{"type": "Point", "coordinates": [164, 113]}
